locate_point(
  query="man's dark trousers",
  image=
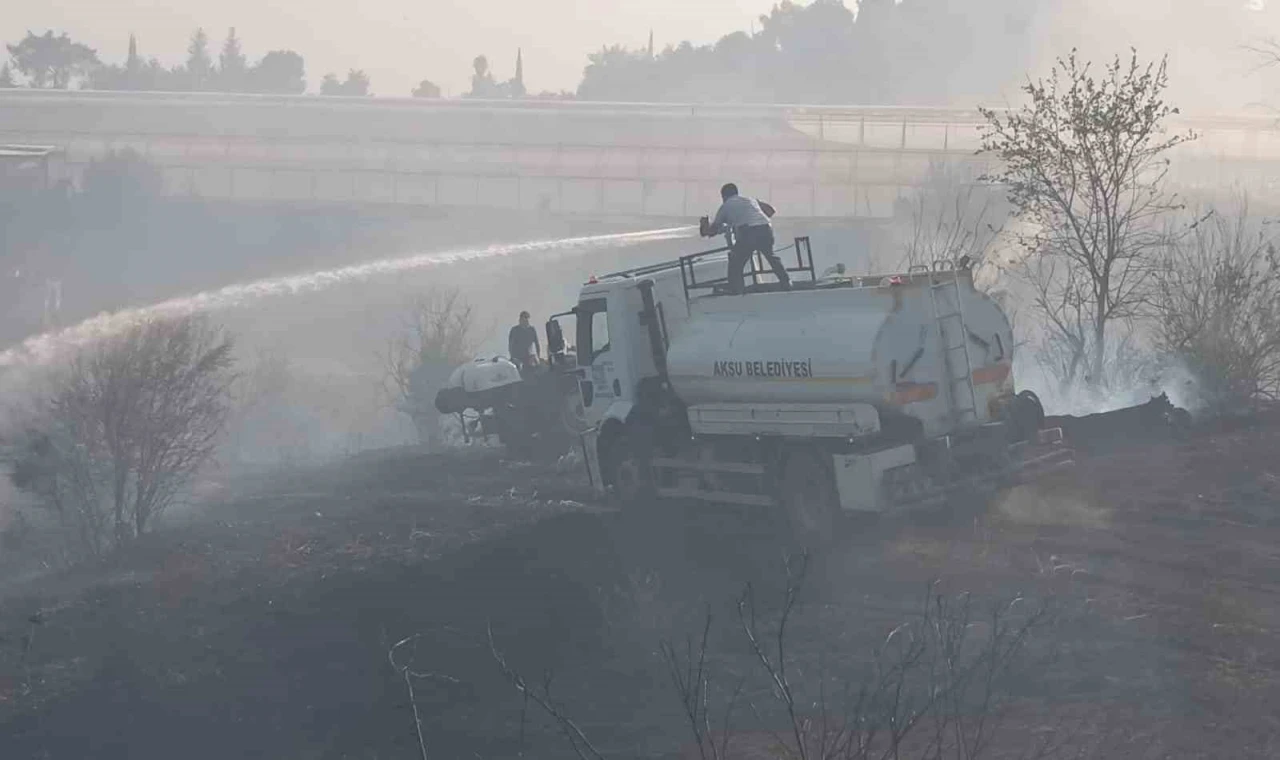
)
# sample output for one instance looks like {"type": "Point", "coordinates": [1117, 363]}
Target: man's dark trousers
{"type": "Point", "coordinates": [746, 242]}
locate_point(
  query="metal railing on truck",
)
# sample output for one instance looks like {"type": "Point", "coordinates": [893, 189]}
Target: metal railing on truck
{"type": "Point", "coordinates": [803, 265]}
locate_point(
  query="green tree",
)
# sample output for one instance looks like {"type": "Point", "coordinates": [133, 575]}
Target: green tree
{"type": "Point", "coordinates": [134, 75]}
{"type": "Point", "coordinates": [281, 72]}
{"type": "Point", "coordinates": [232, 67]}
{"type": "Point", "coordinates": [1084, 163]}
{"type": "Point", "coordinates": [889, 52]}
{"type": "Point", "coordinates": [616, 73]}
{"type": "Point", "coordinates": [426, 89]}
{"type": "Point", "coordinates": [482, 84]}
{"type": "Point", "coordinates": [199, 63]}
{"type": "Point", "coordinates": [52, 62]}
{"type": "Point", "coordinates": [6, 78]}
{"type": "Point", "coordinates": [108, 77]}
{"type": "Point", "coordinates": [356, 84]}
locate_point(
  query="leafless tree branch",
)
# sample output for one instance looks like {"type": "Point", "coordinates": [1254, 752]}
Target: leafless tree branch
{"type": "Point", "coordinates": [1219, 306]}
{"type": "Point", "coordinates": [406, 671]}
{"type": "Point", "coordinates": [126, 426]}
{"type": "Point", "coordinates": [437, 336]}
{"type": "Point", "coordinates": [1085, 164]}
{"type": "Point", "coordinates": [578, 741]}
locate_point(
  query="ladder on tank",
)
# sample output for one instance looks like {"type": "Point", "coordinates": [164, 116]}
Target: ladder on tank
{"type": "Point", "coordinates": [953, 337]}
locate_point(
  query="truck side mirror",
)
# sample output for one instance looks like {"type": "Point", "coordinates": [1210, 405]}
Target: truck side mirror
{"type": "Point", "coordinates": [555, 337]}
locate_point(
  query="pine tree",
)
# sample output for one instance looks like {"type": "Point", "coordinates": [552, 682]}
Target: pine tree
{"type": "Point", "coordinates": [517, 82]}
{"type": "Point", "coordinates": [133, 63]}
{"type": "Point", "coordinates": [232, 64]}
{"type": "Point", "coordinates": [199, 63]}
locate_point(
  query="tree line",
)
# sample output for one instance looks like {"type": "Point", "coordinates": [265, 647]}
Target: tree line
{"type": "Point", "coordinates": [50, 61]}
{"type": "Point", "coordinates": [58, 62]}
{"type": "Point", "coordinates": [904, 52]}
{"type": "Point", "coordinates": [877, 51]}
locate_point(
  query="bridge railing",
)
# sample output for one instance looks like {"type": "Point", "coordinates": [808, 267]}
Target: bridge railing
{"type": "Point", "coordinates": [815, 161]}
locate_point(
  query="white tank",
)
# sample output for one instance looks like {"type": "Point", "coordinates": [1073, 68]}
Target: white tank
{"type": "Point", "coordinates": [483, 375]}
{"type": "Point", "coordinates": [878, 345]}
{"type": "Point", "coordinates": [478, 385]}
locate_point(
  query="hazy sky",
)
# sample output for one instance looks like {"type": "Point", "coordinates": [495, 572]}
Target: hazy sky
{"type": "Point", "coordinates": [397, 42]}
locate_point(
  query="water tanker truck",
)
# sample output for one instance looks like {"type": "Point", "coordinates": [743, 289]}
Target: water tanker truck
{"type": "Point", "coordinates": [855, 394]}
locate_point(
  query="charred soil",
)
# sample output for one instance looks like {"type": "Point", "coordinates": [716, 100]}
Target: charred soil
{"type": "Point", "coordinates": [261, 628]}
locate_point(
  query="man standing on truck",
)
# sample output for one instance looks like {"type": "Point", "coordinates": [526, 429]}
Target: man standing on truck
{"type": "Point", "coordinates": [748, 218]}
{"type": "Point", "coordinates": [522, 344]}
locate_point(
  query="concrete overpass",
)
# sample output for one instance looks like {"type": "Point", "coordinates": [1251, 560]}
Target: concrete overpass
{"type": "Point", "coordinates": [561, 156]}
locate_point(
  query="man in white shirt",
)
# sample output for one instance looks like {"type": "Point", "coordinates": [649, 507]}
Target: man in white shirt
{"type": "Point", "coordinates": [752, 232]}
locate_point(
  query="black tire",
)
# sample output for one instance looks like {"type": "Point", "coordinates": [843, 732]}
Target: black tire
{"type": "Point", "coordinates": [1037, 408]}
{"type": "Point", "coordinates": [1028, 416]}
{"type": "Point", "coordinates": [808, 496]}
{"type": "Point", "coordinates": [631, 471]}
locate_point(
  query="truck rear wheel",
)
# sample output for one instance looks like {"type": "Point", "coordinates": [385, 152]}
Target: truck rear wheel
{"type": "Point", "coordinates": [808, 495]}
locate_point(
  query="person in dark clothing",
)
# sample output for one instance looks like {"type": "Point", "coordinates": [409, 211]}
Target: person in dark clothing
{"type": "Point", "coordinates": [522, 343]}
{"type": "Point", "coordinates": [748, 218]}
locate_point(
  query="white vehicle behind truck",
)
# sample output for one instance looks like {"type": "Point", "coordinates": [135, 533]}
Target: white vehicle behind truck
{"type": "Point", "coordinates": [859, 394]}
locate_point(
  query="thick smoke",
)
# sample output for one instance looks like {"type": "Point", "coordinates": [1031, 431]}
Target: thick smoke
{"type": "Point", "coordinates": [1214, 66]}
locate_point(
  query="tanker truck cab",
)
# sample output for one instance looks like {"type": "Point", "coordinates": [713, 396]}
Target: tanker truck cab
{"type": "Point", "coordinates": [623, 324]}
{"type": "Point", "coordinates": [861, 394]}
{"type": "Point", "coordinates": [603, 340]}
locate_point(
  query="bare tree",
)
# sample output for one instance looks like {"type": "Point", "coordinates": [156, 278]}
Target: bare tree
{"type": "Point", "coordinates": [1267, 52]}
{"type": "Point", "coordinates": [1219, 307]}
{"type": "Point", "coordinates": [127, 424]}
{"type": "Point", "coordinates": [1085, 163]}
{"type": "Point", "coordinates": [437, 336]}
{"type": "Point", "coordinates": [950, 217]}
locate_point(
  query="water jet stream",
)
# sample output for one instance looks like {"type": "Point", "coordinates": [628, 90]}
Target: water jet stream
{"type": "Point", "coordinates": [41, 350]}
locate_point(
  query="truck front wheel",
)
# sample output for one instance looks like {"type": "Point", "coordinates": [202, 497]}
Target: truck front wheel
{"type": "Point", "coordinates": [808, 495]}
{"type": "Point", "coordinates": [631, 470]}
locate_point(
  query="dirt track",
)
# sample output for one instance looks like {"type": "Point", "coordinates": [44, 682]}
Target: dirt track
{"type": "Point", "coordinates": [263, 630]}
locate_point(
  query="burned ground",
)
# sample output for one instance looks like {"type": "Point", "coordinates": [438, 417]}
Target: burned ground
{"type": "Point", "coordinates": [262, 628]}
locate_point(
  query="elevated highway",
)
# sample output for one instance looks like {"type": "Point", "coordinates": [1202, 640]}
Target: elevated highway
{"type": "Point", "coordinates": [560, 156]}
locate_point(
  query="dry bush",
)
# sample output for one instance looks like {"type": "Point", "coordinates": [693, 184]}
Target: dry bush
{"type": "Point", "coordinates": [952, 215]}
{"type": "Point", "coordinates": [1218, 305]}
{"type": "Point", "coordinates": [937, 686]}
{"type": "Point", "coordinates": [438, 335]}
{"type": "Point", "coordinates": [125, 426]}
{"type": "Point", "coordinates": [259, 428]}
{"type": "Point", "coordinates": [120, 184]}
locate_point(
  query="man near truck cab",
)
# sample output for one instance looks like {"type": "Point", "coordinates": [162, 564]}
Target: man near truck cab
{"type": "Point", "coordinates": [748, 218]}
{"type": "Point", "coordinates": [522, 344]}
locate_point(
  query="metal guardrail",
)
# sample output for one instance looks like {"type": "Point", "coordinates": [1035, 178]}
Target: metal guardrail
{"type": "Point", "coordinates": [818, 160]}
{"type": "Point", "coordinates": [689, 276]}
